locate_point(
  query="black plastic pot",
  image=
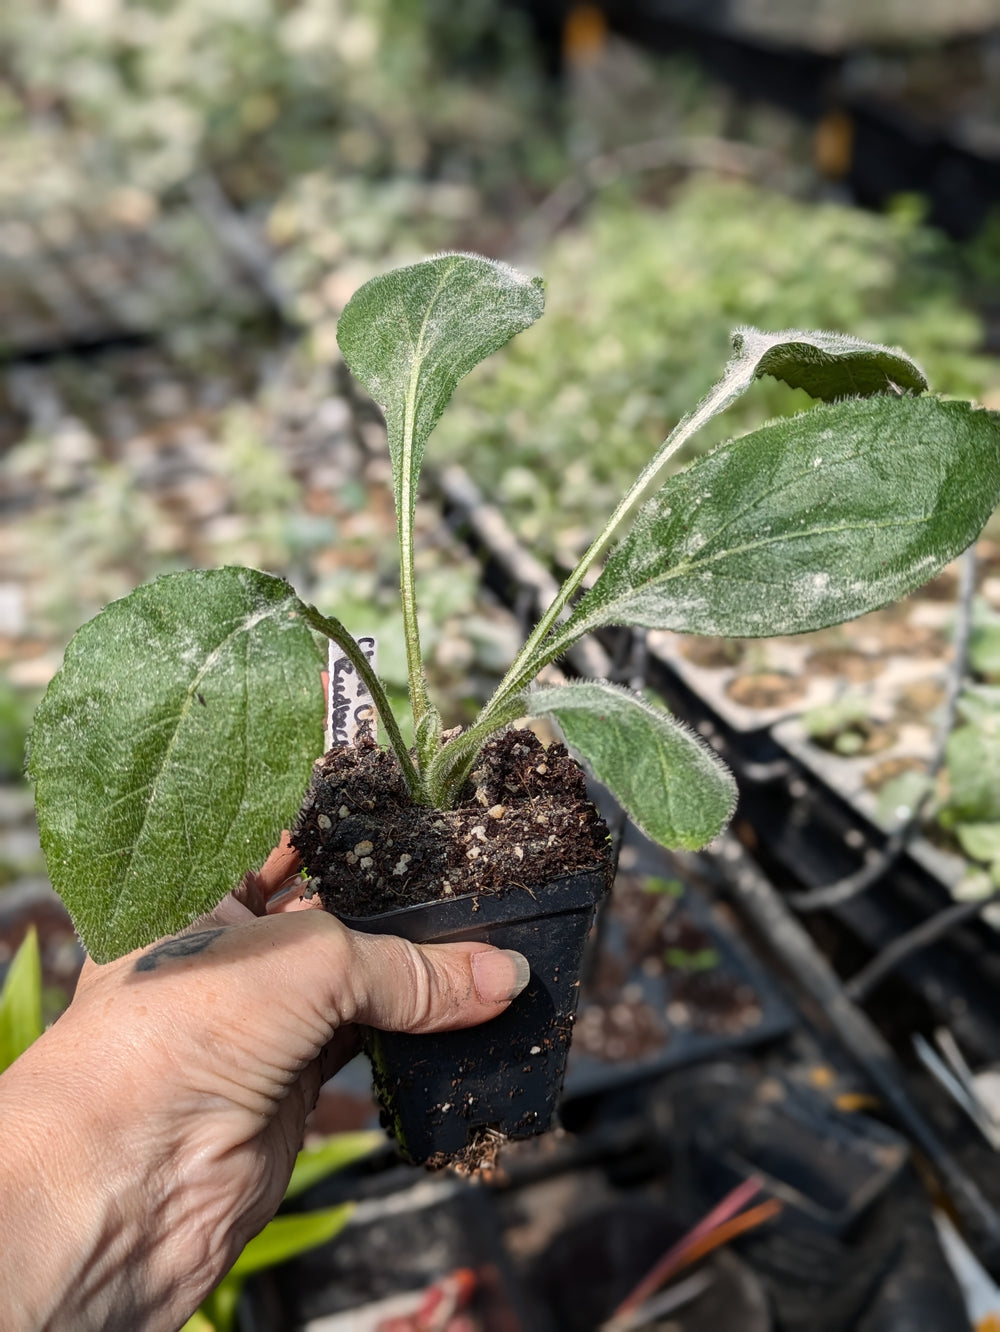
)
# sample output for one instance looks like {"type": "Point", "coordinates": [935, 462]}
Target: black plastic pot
{"type": "Point", "coordinates": [443, 1093]}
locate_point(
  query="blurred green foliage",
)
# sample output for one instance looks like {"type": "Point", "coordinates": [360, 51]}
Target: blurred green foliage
{"type": "Point", "coordinates": [973, 754]}
{"type": "Point", "coordinates": [355, 131]}
{"type": "Point", "coordinates": [21, 1020]}
{"type": "Point", "coordinates": [984, 643]}
{"type": "Point", "coordinates": [16, 707]}
{"type": "Point", "coordinates": [268, 89]}
{"type": "Point", "coordinates": [969, 807]}
{"type": "Point", "coordinates": [841, 726]}
{"type": "Point", "coordinates": [641, 302]}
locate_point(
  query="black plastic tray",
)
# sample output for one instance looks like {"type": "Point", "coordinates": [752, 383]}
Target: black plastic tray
{"type": "Point", "coordinates": [669, 997]}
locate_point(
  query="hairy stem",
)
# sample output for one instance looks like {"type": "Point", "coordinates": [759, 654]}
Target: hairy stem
{"type": "Point", "coordinates": [453, 762]}
{"type": "Point", "coordinates": [408, 600]}
{"type": "Point", "coordinates": [533, 655]}
{"type": "Point", "coordinates": [332, 628]}
{"type": "Point", "coordinates": [406, 501]}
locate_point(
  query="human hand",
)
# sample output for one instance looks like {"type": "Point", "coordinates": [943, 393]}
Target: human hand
{"type": "Point", "coordinates": [152, 1130]}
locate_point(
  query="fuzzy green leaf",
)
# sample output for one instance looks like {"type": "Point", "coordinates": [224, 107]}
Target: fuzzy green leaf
{"type": "Point", "coordinates": [826, 365]}
{"type": "Point", "coordinates": [674, 787]}
{"type": "Point", "coordinates": [973, 755]}
{"type": "Point", "coordinates": [21, 1001]}
{"type": "Point", "coordinates": [804, 523]}
{"type": "Point", "coordinates": [171, 748]}
{"type": "Point", "coordinates": [981, 841]}
{"type": "Point", "coordinates": [410, 335]}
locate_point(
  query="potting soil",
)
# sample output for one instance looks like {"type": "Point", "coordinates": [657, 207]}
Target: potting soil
{"type": "Point", "coordinates": [523, 819]}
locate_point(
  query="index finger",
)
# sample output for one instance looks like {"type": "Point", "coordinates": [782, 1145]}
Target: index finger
{"type": "Point", "coordinates": [277, 886]}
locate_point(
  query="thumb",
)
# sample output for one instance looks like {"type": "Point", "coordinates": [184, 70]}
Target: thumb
{"type": "Point", "coordinates": [401, 986]}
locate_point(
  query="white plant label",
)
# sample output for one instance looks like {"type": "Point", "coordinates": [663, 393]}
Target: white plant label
{"type": "Point", "coordinates": [350, 712]}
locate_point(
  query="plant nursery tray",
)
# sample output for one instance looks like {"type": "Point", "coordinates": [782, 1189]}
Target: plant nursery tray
{"type": "Point", "coordinates": [810, 837]}
{"type": "Point", "coordinates": [810, 832]}
{"type": "Point", "coordinates": [855, 1230]}
{"type": "Point", "coordinates": [110, 285]}
{"type": "Point", "coordinates": [669, 983]}
{"type": "Point", "coordinates": [859, 706]}
{"type": "Point", "coordinates": [857, 780]}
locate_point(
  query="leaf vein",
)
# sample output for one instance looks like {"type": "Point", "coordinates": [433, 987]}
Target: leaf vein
{"type": "Point", "coordinates": [244, 627]}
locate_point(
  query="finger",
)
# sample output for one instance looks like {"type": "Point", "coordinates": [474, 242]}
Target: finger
{"type": "Point", "coordinates": [279, 871]}
{"type": "Point", "coordinates": [281, 865]}
{"type": "Point", "coordinates": [321, 976]}
{"type": "Point", "coordinates": [311, 962]}
{"type": "Point", "coordinates": [400, 986]}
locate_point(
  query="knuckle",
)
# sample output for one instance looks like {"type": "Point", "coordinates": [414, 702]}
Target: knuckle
{"type": "Point", "coordinates": [419, 983]}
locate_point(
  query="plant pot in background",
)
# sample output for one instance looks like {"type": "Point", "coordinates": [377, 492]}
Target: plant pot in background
{"type": "Point", "coordinates": [450, 1094]}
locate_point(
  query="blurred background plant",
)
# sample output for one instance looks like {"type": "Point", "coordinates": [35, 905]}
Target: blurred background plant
{"type": "Point", "coordinates": [560, 423]}
{"type": "Point", "coordinates": [261, 91]}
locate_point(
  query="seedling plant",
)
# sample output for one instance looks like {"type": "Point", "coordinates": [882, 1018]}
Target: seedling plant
{"type": "Point", "coordinates": [969, 808]}
{"type": "Point", "coordinates": [178, 737]}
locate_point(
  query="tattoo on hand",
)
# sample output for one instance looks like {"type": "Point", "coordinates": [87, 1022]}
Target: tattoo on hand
{"type": "Point", "coordinates": [185, 945]}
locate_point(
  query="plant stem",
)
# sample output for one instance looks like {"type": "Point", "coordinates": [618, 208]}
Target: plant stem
{"type": "Point", "coordinates": [532, 657]}
{"type": "Point", "coordinates": [408, 597]}
{"type": "Point", "coordinates": [453, 762]}
{"type": "Point", "coordinates": [406, 501]}
{"type": "Point", "coordinates": [332, 628]}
